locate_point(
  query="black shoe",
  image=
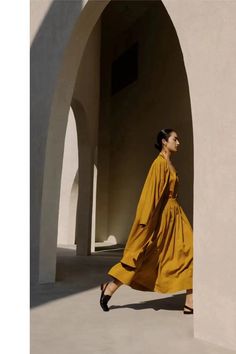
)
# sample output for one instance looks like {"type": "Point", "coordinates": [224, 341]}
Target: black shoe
{"type": "Point", "coordinates": [104, 298]}
{"type": "Point", "coordinates": [189, 310]}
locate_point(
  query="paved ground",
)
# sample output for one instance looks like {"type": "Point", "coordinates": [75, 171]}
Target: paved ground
{"type": "Point", "coordinates": [66, 317]}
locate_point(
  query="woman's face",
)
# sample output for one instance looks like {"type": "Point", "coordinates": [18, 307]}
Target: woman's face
{"type": "Point", "coordinates": [172, 143]}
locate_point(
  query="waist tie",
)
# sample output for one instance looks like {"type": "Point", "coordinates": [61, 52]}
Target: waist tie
{"type": "Point", "coordinates": [172, 195]}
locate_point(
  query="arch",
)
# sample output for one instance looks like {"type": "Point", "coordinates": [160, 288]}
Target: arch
{"type": "Point", "coordinates": [47, 153]}
{"type": "Point", "coordinates": [159, 97]}
{"type": "Point", "coordinates": [76, 204]}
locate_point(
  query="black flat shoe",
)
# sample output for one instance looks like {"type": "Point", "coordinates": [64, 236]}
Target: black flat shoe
{"type": "Point", "coordinates": [104, 298]}
{"type": "Point", "coordinates": [189, 310]}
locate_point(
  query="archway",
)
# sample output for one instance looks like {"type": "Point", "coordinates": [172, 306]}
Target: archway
{"type": "Point", "coordinates": [141, 40]}
{"type": "Point", "coordinates": [44, 246]}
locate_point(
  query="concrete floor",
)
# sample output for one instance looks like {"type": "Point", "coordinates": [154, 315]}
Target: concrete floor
{"type": "Point", "coordinates": [66, 317]}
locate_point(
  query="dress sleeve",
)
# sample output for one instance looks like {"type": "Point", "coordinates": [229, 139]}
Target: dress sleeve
{"type": "Point", "coordinates": [153, 190]}
{"type": "Point", "coordinates": [150, 203]}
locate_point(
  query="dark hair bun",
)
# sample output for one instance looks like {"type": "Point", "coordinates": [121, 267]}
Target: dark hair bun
{"type": "Point", "coordinates": [163, 134]}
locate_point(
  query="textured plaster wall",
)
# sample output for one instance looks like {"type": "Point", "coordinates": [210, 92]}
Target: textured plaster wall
{"type": "Point", "coordinates": [207, 32]}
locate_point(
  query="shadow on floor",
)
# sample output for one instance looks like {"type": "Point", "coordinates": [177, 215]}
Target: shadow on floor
{"type": "Point", "coordinates": [76, 274]}
{"type": "Point", "coordinates": [171, 303]}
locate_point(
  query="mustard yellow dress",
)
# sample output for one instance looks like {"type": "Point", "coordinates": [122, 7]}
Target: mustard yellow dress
{"type": "Point", "coordinates": [158, 255]}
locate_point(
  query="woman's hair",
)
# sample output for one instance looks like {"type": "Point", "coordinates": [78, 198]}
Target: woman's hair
{"type": "Point", "coordinates": [163, 134]}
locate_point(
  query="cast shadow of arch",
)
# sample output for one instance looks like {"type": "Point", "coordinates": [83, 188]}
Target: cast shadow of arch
{"type": "Point", "coordinates": [74, 275]}
{"type": "Point", "coordinates": [173, 303]}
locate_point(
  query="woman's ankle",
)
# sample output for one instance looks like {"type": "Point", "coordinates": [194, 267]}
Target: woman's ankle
{"type": "Point", "coordinates": [108, 291]}
{"type": "Point", "coordinates": [189, 298]}
{"type": "Point", "coordinates": [112, 287]}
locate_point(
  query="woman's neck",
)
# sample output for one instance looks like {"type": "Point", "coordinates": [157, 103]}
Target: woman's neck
{"type": "Point", "coordinates": [166, 154]}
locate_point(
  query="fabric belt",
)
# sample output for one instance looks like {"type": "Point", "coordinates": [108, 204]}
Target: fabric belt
{"type": "Point", "coordinates": [172, 196]}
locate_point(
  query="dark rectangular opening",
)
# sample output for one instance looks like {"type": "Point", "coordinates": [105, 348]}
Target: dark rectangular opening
{"type": "Point", "coordinates": [125, 69]}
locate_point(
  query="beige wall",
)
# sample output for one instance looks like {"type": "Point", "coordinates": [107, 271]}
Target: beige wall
{"type": "Point", "coordinates": [131, 118]}
{"type": "Point", "coordinates": [38, 11]}
{"type": "Point", "coordinates": [207, 32]}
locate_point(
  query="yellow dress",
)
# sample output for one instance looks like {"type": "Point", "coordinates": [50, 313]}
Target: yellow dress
{"type": "Point", "coordinates": [158, 255]}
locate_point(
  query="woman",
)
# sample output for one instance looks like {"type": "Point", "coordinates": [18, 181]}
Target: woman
{"type": "Point", "coordinates": [158, 255]}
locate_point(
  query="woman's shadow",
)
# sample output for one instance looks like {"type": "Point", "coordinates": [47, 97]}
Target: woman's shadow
{"type": "Point", "coordinates": [173, 303]}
